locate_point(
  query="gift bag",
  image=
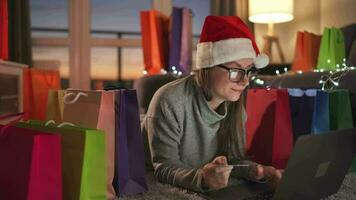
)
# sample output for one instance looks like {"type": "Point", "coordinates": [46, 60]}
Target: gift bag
{"type": "Point", "coordinates": [306, 51]}
{"type": "Point", "coordinates": [94, 109]}
{"type": "Point", "coordinates": [340, 110]}
{"type": "Point", "coordinates": [154, 29]}
{"type": "Point", "coordinates": [55, 105]}
{"type": "Point", "coordinates": [321, 122]}
{"type": "Point", "coordinates": [36, 84]}
{"type": "Point", "coordinates": [130, 158]}
{"type": "Point", "coordinates": [83, 160]}
{"type": "Point", "coordinates": [269, 137]}
{"type": "Point", "coordinates": [302, 107]}
{"type": "Point", "coordinates": [30, 166]}
{"type": "Point", "coordinates": [332, 49]}
{"type": "Point", "coordinates": [4, 30]}
{"type": "Point", "coordinates": [185, 61]}
{"type": "Point", "coordinates": [176, 38]}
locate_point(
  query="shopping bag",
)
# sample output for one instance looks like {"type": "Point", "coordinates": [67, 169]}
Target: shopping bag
{"type": "Point", "coordinates": [30, 166]}
{"type": "Point", "coordinates": [306, 51]}
{"type": "Point", "coordinates": [154, 29]}
{"type": "Point", "coordinates": [176, 38]}
{"type": "Point", "coordinates": [302, 107]}
{"type": "Point", "coordinates": [129, 158]}
{"type": "Point", "coordinates": [36, 84]}
{"type": "Point", "coordinates": [185, 61]}
{"type": "Point", "coordinates": [4, 30]}
{"type": "Point", "coordinates": [55, 105]}
{"type": "Point", "coordinates": [269, 137]}
{"type": "Point", "coordinates": [340, 109]}
{"type": "Point", "coordinates": [332, 49]}
{"type": "Point", "coordinates": [94, 109]}
{"type": "Point", "coordinates": [83, 160]}
{"type": "Point", "coordinates": [321, 120]}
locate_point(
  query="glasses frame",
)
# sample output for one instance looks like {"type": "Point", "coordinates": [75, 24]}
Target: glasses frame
{"type": "Point", "coordinates": [247, 72]}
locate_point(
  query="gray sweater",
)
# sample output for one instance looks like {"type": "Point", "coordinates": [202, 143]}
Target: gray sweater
{"type": "Point", "coordinates": [182, 134]}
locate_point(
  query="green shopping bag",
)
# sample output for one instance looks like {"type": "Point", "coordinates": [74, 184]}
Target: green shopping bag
{"type": "Point", "coordinates": [332, 49]}
{"type": "Point", "coordinates": [340, 110]}
{"type": "Point", "coordinates": [83, 160]}
{"type": "Point", "coordinates": [341, 114]}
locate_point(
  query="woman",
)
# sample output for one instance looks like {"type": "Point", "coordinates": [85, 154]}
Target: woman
{"type": "Point", "coordinates": [195, 125]}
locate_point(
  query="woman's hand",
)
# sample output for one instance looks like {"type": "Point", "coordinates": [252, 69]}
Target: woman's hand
{"type": "Point", "coordinates": [269, 173]}
{"type": "Point", "coordinates": [216, 173]}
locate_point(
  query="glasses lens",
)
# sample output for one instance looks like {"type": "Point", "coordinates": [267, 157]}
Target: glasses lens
{"type": "Point", "coordinates": [236, 75]}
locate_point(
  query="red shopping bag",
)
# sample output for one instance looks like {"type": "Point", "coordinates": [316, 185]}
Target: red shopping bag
{"type": "Point", "coordinates": [306, 51]}
{"type": "Point", "coordinates": [4, 30]}
{"type": "Point", "coordinates": [269, 137]}
{"type": "Point", "coordinates": [30, 166]}
{"type": "Point", "coordinates": [155, 33]}
{"type": "Point", "coordinates": [36, 84]}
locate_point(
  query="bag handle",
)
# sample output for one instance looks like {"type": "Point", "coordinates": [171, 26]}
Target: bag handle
{"type": "Point", "coordinates": [68, 95]}
{"type": "Point", "coordinates": [59, 125]}
{"type": "Point", "coordinates": [7, 116]}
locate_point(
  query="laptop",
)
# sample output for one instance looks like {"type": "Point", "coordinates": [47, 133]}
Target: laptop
{"type": "Point", "coordinates": [315, 170]}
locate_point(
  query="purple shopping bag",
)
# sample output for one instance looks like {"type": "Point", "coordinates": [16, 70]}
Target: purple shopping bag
{"type": "Point", "coordinates": [129, 177]}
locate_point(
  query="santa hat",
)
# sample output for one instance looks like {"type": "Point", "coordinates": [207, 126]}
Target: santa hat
{"type": "Point", "coordinates": [226, 39]}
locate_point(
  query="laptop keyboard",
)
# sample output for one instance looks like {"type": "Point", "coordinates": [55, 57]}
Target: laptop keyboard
{"type": "Point", "coordinates": [266, 195]}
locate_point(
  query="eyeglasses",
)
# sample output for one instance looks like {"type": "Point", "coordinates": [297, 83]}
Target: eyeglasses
{"type": "Point", "coordinates": [237, 74]}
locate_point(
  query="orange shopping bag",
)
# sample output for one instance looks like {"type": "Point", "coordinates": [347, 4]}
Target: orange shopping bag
{"type": "Point", "coordinates": [154, 28]}
{"type": "Point", "coordinates": [306, 51]}
{"type": "Point", "coordinates": [36, 84]}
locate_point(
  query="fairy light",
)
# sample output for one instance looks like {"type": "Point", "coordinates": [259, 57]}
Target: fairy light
{"type": "Point", "coordinates": [144, 72]}
{"type": "Point", "coordinates": [163, 71]}
{"type": "Point", "coordinates": [285, 69]}
{"type": "Point", "coordinates": [253, 78]}
{"type": "Point", "coordinates": [173, 68]}
{"type": "Point", "coordinates": [299, 72]}
{"type": "Point", "coordinates": [277, 72]}
{"type": "Point", "coordinates": [328, 61]}
{"type": "Point", "coordinates": [179, 73]}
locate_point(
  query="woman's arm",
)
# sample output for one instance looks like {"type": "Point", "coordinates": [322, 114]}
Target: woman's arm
{"type": "Point", "coordinates": [164, 134]}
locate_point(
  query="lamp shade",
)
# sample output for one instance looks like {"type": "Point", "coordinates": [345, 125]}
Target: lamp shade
{"type": "Point", "coordinates": [271, 11]}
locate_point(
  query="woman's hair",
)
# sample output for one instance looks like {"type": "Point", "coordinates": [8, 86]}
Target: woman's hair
{"type": "Point", "coordinates": [231, 129]}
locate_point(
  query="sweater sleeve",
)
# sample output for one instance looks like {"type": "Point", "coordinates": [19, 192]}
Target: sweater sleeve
{"type": "Point", "coordinates": [164, 134]}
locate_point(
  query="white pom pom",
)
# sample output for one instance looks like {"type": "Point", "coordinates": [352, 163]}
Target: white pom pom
{"type": "Point", "coordinates": [261, 61]}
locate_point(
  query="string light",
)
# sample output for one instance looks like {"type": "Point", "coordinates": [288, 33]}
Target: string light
{"type": "Point", "coordinates": [144, 72]}
{"type": "Point", "coordinates": [285, 69]}
{"type": "Point", "coordinates": [300, 72]}
{"type": "Point", "coordinates": [277, 72]}
{"type": "Point", "coordinates": [163, 71]}
{"type": "Point", "coordinates": [259, 81]}
{"type": "Point", "coordinates": [179, 73]}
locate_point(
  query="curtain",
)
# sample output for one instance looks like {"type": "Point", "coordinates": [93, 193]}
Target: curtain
{"type": "Point", "coordinates": [231, 8]}
{"type": "Point", "coordinates": [20, 49]}
{"type": "Point", "coordinates": [4, 53]}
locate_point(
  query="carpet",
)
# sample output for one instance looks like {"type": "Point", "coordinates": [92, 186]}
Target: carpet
{"type": "Point", "coordinates": [158, 191]}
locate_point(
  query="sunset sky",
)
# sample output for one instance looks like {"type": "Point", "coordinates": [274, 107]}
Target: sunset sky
{"type": "Point", "coordinates": [108, 15]}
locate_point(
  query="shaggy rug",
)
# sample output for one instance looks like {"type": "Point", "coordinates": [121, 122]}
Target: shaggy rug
{"type": "Point", "coordinates": [158, 191]}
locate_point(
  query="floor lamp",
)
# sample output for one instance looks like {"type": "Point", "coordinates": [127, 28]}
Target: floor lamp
{"type": "Point", "coordinates": [271, 12]}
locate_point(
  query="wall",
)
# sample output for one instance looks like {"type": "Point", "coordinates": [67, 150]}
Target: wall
{"type": "Point", "coordinates": [337, 13]}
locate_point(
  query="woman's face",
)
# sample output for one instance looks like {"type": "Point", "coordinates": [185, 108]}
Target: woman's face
{"type": "Point", "coordinates": [223, 89]}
